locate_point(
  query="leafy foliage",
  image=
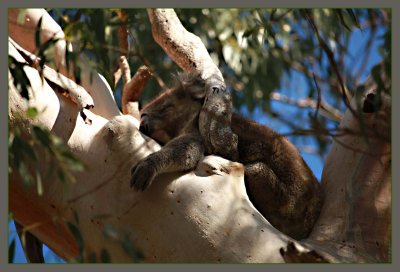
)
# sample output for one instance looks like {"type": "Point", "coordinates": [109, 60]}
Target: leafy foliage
{"type": "Point", "coordinates": [32, 148]}
{"type": "Point", "coordinates": [20, 79]}
{"type": "Point", "coordinates": [259, 51]}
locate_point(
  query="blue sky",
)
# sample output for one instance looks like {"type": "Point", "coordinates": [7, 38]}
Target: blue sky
{"type": "Point", "coordinates": [297, 83]}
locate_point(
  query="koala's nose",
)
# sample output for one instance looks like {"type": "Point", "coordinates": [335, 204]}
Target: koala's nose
{"type": "Point", "coordinates": [144, 127]}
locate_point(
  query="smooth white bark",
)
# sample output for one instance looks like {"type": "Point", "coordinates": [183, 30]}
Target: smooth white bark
{"type": "Point", "coordinates": [202, 216]}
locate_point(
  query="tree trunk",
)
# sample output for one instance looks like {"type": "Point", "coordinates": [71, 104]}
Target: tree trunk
{"type": "Point", "coordinates": [201, 216]}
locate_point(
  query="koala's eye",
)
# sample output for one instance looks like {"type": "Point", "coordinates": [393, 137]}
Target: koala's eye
{"type": "Point", "coordinates": [167, 109]}
{"type": "Point", "coordinates": [143, 115]}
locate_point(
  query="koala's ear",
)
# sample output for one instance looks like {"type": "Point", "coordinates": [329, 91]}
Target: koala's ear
{"type": "Point", "coordinates": [197, 91]}
{"type": "Point", "coordinates": [192, 84]}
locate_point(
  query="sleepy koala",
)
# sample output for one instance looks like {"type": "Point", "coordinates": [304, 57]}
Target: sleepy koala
{"type": "Point", "coordinates": [278, 181]}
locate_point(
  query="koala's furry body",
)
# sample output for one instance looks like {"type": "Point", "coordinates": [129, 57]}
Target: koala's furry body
{"type": "Point", "coordinates": [278, 181]}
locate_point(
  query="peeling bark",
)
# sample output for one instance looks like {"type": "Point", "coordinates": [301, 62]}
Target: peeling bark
{"type": "Point", "coordinates": [183, 217]}
{"type": "Point", "coordinates": [24, 35]}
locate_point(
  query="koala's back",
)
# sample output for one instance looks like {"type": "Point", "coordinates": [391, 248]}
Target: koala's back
{"type": "Point", "coordinates": [278, 181]}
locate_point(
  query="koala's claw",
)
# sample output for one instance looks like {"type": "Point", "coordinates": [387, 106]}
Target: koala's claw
{"type": "Point", "coordinates": [141, 177]}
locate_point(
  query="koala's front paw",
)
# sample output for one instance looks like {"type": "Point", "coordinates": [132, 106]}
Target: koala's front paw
{"type": "Point", "coordinates": [142, 176]}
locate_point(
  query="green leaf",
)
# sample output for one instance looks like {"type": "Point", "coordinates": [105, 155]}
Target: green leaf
{"type": "Point", "coordinates": [39, 183]}
{"type": "Point", "coordinates": [61, 175]}
{"type": "Point", "coordinates": [11, 251]}
{"type": "Point", "coordinates": [42, 135]}
{"type": "Point", "coordinates": [342, 21]}
{"type": "Point", "coordinates": [20, 79]}
{"type": "Point", "coordinates": [24, 173]}
{"type": "Point", "coordinates": [47, 45]}
{"type": "Point", "coordinates": [69, 177]}
{"type": "Point", "coordinates": [78, 237]}
{"type": "Point", "coordinates": [21, 16]}
{"type": "Point", "coordinates": [376, 76]}
{"type": "Point", "coordinates": [37, 32]}
{"type": "Point", "coordinates": [248, 32]}
{"type": "Point", "coordinates": [76, 217]}
{"type": "Point", "coordinates": [354, 18]}
{"type": "Point", "coordinates": [10, 216]}
{"type": "Point", "coordinates": [67, 56]}
{"type": "Point", "coordinates": [26, 148]}
{"type": "Point", "coordinates": [109, 231]}
{"type": "Point", "coordinates": [32, 112]}
{"type": "Point", "coordinates": [130, 250]}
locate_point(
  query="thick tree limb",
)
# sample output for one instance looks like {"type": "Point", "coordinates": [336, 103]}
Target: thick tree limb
{"type": "Point", "coordinates": [185, 48]}
{"type": "Point", "coordinates": [179, 219]}
{"type": "Point", "coordinates": [356, 217]}
{"type": "Point", "coordinates": [24, 35]}
{"type": "Point", "coordinates": [182, 217]}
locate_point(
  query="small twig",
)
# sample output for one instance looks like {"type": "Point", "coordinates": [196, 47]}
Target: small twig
{"type": "Point", "coordinates": [327, 110]}
{"type": "Point", "coordinates": [280, 16]}
{"type": "Point", "coordinates": [331, 58]}
{"type": "Point", "coordinates": [359, 150]}
{"type": "Point", "coordinates": [94, 189]}
{"type": "Point", "coordinates": [147, 63]}
{"type": "Point", "coordinates": [330, 55]}
{"type": "Point", "coordinates": [319, 97]}
{"type": "Point", "coordinates": [367, 52]}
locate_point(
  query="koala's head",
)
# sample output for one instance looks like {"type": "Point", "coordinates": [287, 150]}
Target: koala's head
{"type": "Point", "coordinates": [165, 117]}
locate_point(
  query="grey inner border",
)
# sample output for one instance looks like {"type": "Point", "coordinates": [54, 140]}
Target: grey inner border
{"type": "Point", "coordinates": [4, 266]}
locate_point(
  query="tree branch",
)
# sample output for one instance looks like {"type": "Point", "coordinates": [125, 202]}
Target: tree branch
{"type": "Point", "coordinates": [182, 217]}
{"type": "Point", "coordinates": [185, 48]}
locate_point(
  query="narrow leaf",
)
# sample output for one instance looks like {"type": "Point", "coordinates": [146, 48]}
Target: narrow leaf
{"type": "Point", "coordinates": [27, 149]}
{"type": "Point", "coordinates": [37, 32]}
{"type": "Point", "coordinates": [39, 183]}
{"type": "Point", "coordinates": [342, 21]}
{"type": "Point", "coordinates": [78, 237]}
{"type": "Point", "coordinates": [109, 231]}
{"type": "Point", "coordinates": [21, 16]}
{"type": "Point", "coordinates": [76, 217]}
{"type": "Point", "coordinates": [42, 135]}
{"type": "Point", "coordinates": [24, 173]}
{"type": "Point", "coordinates": [32, 112]}
{"type": "Point", "coordinates": [11, 251]}
{"type": "Point", "coordinates": [354, 17]}
{"type": "Point", "coordinates": [248, 32]}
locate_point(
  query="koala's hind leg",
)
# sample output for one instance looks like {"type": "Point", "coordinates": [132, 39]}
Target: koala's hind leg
{"type": "Point", "coordinates": [271, 198]}
{"type": "Point", "coordinates": [263, 187]}
{"type": "Point", "coordinates": [284, 207]}
{"type": "Point", "coordinates": [180, 154]}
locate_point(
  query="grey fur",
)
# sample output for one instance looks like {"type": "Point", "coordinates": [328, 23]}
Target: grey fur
{"type": "Point", "coordinates": [190, 120]}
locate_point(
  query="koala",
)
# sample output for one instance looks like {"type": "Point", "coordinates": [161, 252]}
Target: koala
{"type": "Point", "coordinates": [278, 181]}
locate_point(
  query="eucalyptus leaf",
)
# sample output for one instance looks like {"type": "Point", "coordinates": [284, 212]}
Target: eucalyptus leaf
{"type": "Point", "coordinates": [37, 32]}
{"type": "Point", "coordinates": [78, 237]}
{"type": "Point", "coordinates": [32, 112]}
{"type": "Point", "coordinates": [11, 251]}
